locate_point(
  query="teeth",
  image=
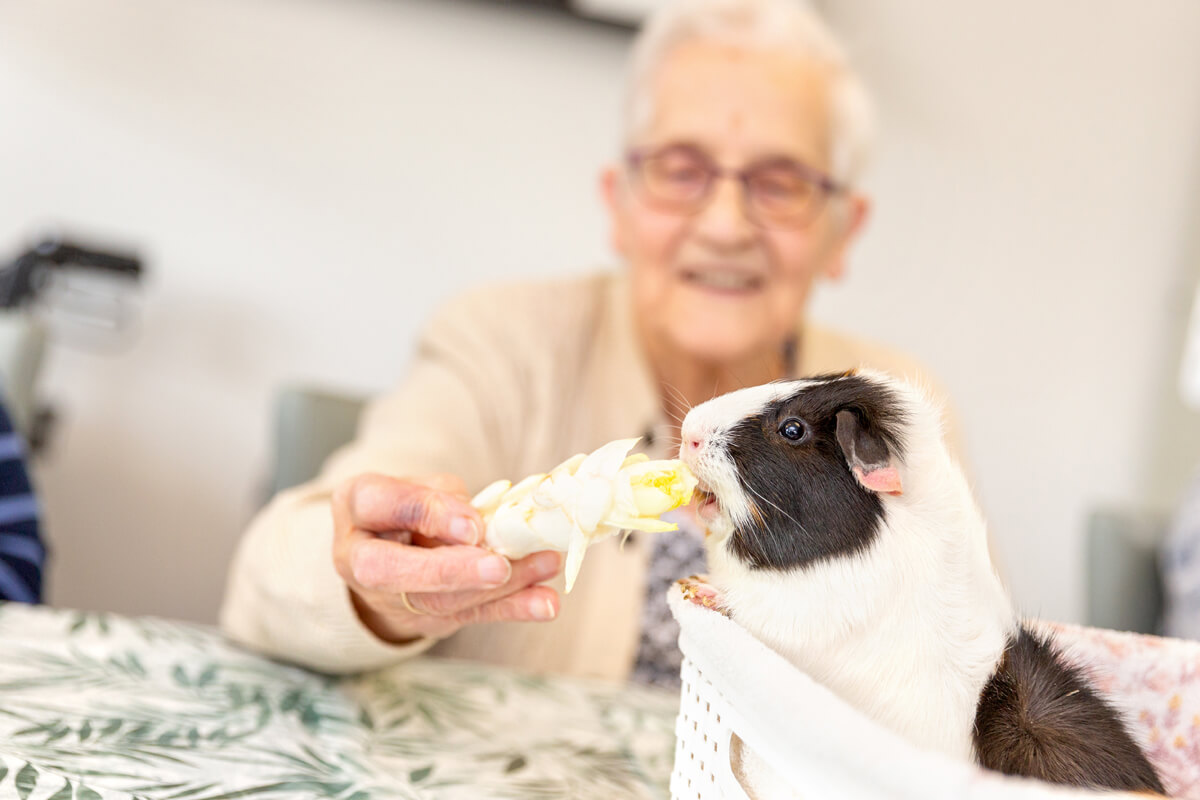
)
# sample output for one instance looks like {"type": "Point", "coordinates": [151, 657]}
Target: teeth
{"type": "Point", "coordinates": [725, 279]}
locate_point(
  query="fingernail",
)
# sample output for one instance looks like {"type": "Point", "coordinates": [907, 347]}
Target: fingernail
{"type": "Point", "coordinates": [542, 609]}
{"type": "Point", "coordinates": [494, 570]}
{"type": "Point", "coordinates": [464, 529]}
{"type": "Point", "coordinates": [548, 565]}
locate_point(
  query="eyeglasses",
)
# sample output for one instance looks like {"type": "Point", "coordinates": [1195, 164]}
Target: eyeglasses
{"type": "Point", "coordinates": [779, 193]}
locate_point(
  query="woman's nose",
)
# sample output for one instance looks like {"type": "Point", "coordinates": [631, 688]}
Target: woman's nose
{"type": "Point", "coordinates": [722, 222]}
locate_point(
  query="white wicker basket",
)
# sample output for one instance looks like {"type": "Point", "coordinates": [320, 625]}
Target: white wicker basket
{"type": "Point", "coordinates": [816, 745]}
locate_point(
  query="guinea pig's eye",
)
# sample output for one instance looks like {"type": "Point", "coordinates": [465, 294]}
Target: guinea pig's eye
{"type": "Point", "coordinates": [792, 429]}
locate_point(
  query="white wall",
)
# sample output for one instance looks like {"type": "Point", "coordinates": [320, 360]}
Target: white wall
{"type": "Point", "coordinates": [1036, 194]}
{"type": "Point", "coordinates": [308, 177]}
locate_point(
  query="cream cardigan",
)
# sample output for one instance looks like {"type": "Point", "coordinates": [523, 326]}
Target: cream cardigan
{"type": "Point", "coordinates": [505, 382]}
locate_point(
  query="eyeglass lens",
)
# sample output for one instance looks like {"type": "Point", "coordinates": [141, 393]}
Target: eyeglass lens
{"type": "Point", "coordinates": [682, 178]}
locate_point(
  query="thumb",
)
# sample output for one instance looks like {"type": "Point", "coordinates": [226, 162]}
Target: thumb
{"type": "Point", "coordinates": [381, 504]}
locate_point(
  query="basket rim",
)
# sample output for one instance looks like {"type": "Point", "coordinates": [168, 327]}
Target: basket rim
{"type": "Point", "coordinates": [757, 682]}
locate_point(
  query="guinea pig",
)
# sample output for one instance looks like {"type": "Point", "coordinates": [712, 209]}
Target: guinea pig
{"type": "Point", "coordinates": [843, 535]}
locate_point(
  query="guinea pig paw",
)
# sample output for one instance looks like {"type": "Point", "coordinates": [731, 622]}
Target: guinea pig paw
{"type": "Point", "coordinates": [698, 591]}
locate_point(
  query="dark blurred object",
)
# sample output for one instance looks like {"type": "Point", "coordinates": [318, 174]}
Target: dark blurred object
{"type": "Point", "coordinates": [81, 293]}
{"type": "Point", "coordinates": [622, 15]}
{"type": "Point", "coordinates": [60, 290]}
{"type": "Point", "coordinates": [21, 281]}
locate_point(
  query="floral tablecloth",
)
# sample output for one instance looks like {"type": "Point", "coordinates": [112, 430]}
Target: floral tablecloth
{"type": "Point", "coordinates": [97, 706]}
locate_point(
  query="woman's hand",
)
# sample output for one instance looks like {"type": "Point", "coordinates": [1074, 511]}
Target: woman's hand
{"type": "Point", "coordinates": [407, 550]}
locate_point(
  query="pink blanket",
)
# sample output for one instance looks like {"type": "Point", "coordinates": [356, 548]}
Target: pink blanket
{"type": "Point", "coordinates": [1156, 683]}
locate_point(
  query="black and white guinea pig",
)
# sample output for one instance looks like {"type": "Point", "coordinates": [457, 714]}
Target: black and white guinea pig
{"type": "Point", "coordinates": [842, 534]}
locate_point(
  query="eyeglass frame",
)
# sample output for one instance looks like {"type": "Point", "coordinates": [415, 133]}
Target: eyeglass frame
{"type": "Point", "coordinates": [636, 157]}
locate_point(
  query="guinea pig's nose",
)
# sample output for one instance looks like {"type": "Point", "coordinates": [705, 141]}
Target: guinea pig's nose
{"type": "Point", "coordinates": [692, 439]}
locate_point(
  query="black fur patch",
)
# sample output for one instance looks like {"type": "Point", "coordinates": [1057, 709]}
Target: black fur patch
{"type": "Point", "coordinates": [1037, 717]}
{"type": "Point", "coordinates": [809, 504]}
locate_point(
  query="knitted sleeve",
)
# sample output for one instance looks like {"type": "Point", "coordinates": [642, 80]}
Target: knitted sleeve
{"type": "Point", "coordinates": [22, 554]}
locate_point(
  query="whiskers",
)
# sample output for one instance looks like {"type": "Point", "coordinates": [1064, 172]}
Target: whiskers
{"type": "Point", "coordinates": [671, 444]}
{"type": "Point", "coordinates": [677, 405]}
{"type": "Point", "coordinates": [760, 496]}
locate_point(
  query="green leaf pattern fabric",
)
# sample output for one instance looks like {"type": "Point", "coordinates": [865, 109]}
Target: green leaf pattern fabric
{"type": "Point", "coordinates": [104, 707]}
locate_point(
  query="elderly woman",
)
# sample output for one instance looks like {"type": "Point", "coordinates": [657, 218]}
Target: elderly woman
{"type": "Point", "coordinates": [734, 196]}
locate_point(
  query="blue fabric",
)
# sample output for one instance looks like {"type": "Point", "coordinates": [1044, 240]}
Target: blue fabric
{"type": "Point", "coordinates": [16, 586]}
{"type": "Point", "coordinates": [11, 447]}
{"type": "Point", "coordinates": [22, 553]}
{"type": "Point", "coordinates": [24, 547]}
{"type": "Point", "coordinates": [674, 556]}
{"type": "Point", "coordinates": [16, 508]}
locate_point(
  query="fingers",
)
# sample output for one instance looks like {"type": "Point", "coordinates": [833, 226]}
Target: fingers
{"type": "Point", "coordinates": [385, 566]}
{"type": "Point", "coordinates": [532, 604]}
{"type": "Point", "coordinates": [378, 564]}
{"type": "Point", "coordinates": [403, 584]}
{"type": "Point", "coordinates": [534, 568]}
{"type": "Point", "coordinates": [378, 503]}
{"type": "Point", "coordinates": [535, 604]}
{"type": "Point", "coordinates": [440, 614]}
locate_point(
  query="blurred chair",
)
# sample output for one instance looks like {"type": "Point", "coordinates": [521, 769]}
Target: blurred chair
{"type": "Point", "coordinates": [309, 425]}
{"type": "Point", "coordinates": [1124, 582]}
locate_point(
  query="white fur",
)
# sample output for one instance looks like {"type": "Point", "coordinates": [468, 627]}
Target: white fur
{"type": "Point", "coordinates": [908, 631]}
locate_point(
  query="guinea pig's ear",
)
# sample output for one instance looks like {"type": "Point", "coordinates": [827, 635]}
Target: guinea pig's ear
{"type": "Point", "coordinates": [867, 455]}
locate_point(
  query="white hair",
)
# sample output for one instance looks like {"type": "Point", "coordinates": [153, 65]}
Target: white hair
{"type": "Point", "coordinates": [789, 26]}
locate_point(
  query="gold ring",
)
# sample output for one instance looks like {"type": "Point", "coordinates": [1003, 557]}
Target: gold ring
{"type": "Point", "coordinates": [408, 604]}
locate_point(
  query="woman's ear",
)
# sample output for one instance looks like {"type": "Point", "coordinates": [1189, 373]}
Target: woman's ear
{"type": "Point", "coordinates": [852, 218]}
{"type": "Point", "coordinates": [611, 194]}
{"type": "Point", "coordinates": [867, 455]}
